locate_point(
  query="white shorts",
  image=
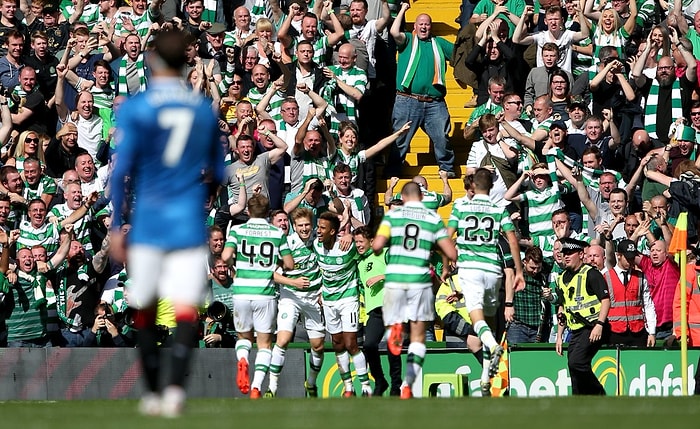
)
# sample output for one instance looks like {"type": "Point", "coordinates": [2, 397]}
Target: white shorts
{"type": "Point", "coordinates": [403, 305]}
{"type": "Point", "coordinates": [293, 306]}
{"type": "Point", "coordinates": [342, 316]}
{"type": "Point", "coordinates": [176, 275]}
{"type": "Point", "coordinates": [480, 290]}
{"type": "Point", "coordinates": [258, 315]}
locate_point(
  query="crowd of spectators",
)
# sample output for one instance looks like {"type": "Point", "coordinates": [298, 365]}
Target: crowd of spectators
{"type": "Point", "coordinates": [587, 112]}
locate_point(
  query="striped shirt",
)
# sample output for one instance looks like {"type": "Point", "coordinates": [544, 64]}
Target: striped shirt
{"type": "Point", "coordinates": [46, 235]}
{"type": "Point", "coordinates": [46, 185]}
{"type": "Point", "coordinates": [141, 23]}
{"type": "Point", "coordinates": [90, 15]}
{"type": "Point", "coordinates": [431, 199]}
{"type": "Point", "coordinates": [274, 108]}
{"type": "Point", "coordinates": [27, 320]}
{"type": "Point", "coordinates": [478, 222]}
{"type": "Point", "coordinates": [343, 103]}
{"type": "Point", "coordinates": [412, 231]}
{"type": "Point", "coordinates": [353, 161]}
{"type": "Point", "coordinates": [305, 263]}
{"type": "Point", "coordinates": [338, 272]}
{"type": "Point", "coordinates": [81, 227]}
{"type": "Point", "coordinates": [541, 204]}
{"type": "Point", "coordinates": [258, 247]}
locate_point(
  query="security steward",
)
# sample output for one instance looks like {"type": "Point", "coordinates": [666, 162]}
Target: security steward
{"type": "Point", "coordinates": [584, 303]}
{"type": "Point", "coordinates": [632, 314]}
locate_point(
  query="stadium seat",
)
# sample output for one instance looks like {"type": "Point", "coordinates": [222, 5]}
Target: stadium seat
{"type": "Point", "coordinates": [459, 384]}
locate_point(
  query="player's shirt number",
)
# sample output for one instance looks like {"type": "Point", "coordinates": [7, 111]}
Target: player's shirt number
{"type": "Point", "coordinates": [479, 229]}
{"type": "Point", "coordinates": [263, 252]}
{"type": "Point", "coordinates": [179, 121]}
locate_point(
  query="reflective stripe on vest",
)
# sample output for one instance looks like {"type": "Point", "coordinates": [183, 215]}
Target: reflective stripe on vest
{"type": "Point", "coordinates": [626, 305]}
{"type": "Point", "coordinates": [577, 299]}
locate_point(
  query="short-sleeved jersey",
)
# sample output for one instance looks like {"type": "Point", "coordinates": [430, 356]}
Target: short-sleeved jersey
{"type": "Point", "coordinates": [305, 263]}
{"type": "Point", "coordinates": [258, 248]}
{"type": "Point", "coordinates": [46, 235]}
{"type": "Point", "coordinates": [412, 230]}
{"type": "Point", "coordinates": [81, 227]}
{"type": "Point", "coordinates": [167, 138]}
{"type": "Point", "coordinates": [46, 185]}
{"type": "Point", "coordinates": [338, 272]}
{"type": "Point", "coordinates": [478, 223]}
{"type": "Point", "coordinates": [27, 318]}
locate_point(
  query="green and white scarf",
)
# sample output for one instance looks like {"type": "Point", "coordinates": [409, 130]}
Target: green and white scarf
{"type": "Point", "coordinates": [438, 57]}
{"type": "Point", "coordinates": [653, 102]}
{"type": "Point", "coordinates": [123, 88]}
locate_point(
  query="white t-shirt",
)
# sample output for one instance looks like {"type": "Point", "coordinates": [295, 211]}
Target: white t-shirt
{"type": "Point", "coordinates": [564, 44]}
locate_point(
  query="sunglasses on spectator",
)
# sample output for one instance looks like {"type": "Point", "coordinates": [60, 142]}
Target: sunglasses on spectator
{"type": "Point", "coordinates": [31, 140]}
{"type": "Point", "coordinates": [237, 82]}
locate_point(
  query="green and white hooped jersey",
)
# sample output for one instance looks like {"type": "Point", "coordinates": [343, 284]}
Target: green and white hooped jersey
{"type": "Point", "coordinates": [141, 23]}
{"type": "Point", "coordinates": [338, 272]}
{"type": "Point", "coordinates": [46, 235]}
{"type": "Point", "coordinates": [412, 230]}
{"type": "Point", "coordinates": [46, 186]}
{"type": "Point", "coordinates": [305, 264]}
{"type": "Point", "coordinates": [478, 222]}
{"type": "Point", "coordinates": [90, 16]}
{"type": "Point", "coordinates": [258, 249]}
{"type": "Point", "coordinates": [353, 161]}
{"type": "Point", "coordinates": [355, 77]}
{"type": "Point", "coordinates": [431, 199]}
{"type": "Point", "coordinates": [81, 226]}
{"type": "Point", "coordinates": [274, 107]}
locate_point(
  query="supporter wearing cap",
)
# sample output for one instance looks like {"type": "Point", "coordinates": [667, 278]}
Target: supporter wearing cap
{"type": "Point", "coordinates": [584, 310]}
{"type": "Point", "coordinates": [578, 113]}
{"type": "Point", "coordinates": [681, 147]}
{"type": "Point", "coordinates": [211, 44]}
{"type": "Point", "coordinates": [62, 151]}
{"type": "Point", "coordinates": [632, 315]}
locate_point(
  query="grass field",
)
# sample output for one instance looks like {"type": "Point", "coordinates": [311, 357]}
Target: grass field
{"type": "Point", "coordinates": [387, 413]}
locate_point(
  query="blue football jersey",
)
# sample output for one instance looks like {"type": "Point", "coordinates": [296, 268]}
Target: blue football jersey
{"type": "Point", "coordinates": [167, 138]}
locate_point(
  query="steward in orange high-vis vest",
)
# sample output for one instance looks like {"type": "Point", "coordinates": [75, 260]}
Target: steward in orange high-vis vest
{"type": "Point", "coordinates": [632, 315]}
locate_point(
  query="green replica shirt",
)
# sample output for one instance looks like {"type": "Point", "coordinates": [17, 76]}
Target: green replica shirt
{"type": "Point", "coordinates": [412, 230]}
{"type": "Point", "coordinates": [27, 306]}
{"type": "Point", "coordinates": [258, 247]}
{"type": "Point", "coordinates": [338, 272]}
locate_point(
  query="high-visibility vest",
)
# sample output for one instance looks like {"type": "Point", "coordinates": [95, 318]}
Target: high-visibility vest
{"type": "Point", "coordinates": [626, 305]}
{"type": "Point", "coordinates": [693, 304]}
{"type": "Point", "coordinates": [578, 300]}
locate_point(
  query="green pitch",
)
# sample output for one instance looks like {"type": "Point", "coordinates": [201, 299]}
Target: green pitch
{"type": "Point", "coordinates": [359, 413]}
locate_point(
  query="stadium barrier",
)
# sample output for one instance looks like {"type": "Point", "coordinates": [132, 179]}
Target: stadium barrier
{"type": "Point", "coordinates": [114, 373]}
{"type": "Point", "coordinates": [538, 371]}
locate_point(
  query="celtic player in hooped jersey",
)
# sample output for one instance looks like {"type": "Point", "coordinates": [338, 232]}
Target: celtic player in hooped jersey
{"type": "Point", "coordinates": [257, 248]}
{"type": "Point", "coordinates": [341, 304]}
{"type": "Point", "coordinates": [478, 223]}
{"type": "Point", "coordinates": [411, 231]}
{"type": "Point", "coordinates": [299, 294]}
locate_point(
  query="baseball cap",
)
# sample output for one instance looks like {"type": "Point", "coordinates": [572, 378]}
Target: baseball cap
{"type": "Point", "coordinates": [559, 124]}
{"type": "Point", "coordinates": [627, 248]}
